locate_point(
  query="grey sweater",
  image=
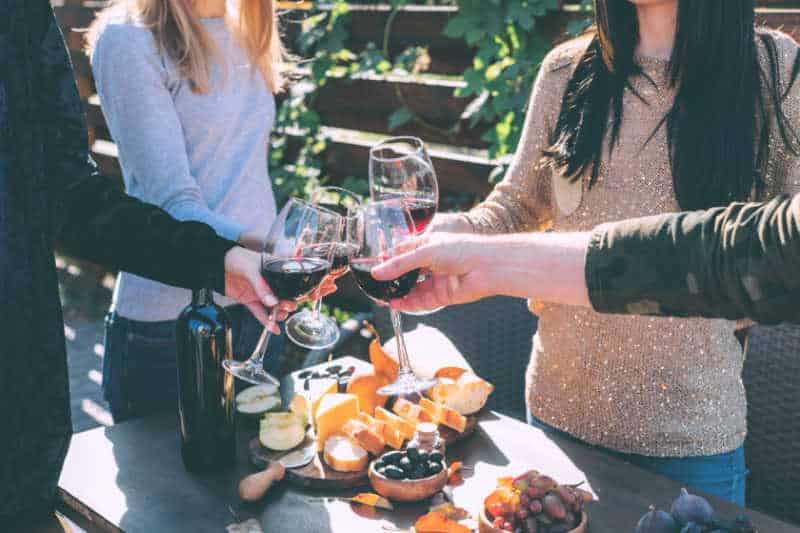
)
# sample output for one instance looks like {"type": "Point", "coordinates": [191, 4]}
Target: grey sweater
{"type": "Point", "coordinates": [198, 156]}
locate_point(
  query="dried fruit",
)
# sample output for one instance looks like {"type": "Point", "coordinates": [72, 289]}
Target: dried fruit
{"type": "Point", "coordinates": [691, 508]}
{"type": "Point", "coordinates": [587, 496]}
{"type": "Point", "coordinates": [438, 523]}
{"type": "Point", "coordinates": [373, 500]}
{"type": "Point", "coordinates": [554, 507]}
{"type": "Point", "coordinates": [655, 521]}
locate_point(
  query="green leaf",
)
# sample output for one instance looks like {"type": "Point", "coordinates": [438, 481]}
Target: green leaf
{"type": "Point", "coordinates": [457, 26]}
{"type": "Point", "coordinates": [400, 117]}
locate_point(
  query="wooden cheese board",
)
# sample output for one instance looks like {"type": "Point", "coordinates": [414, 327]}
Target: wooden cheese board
{"type": "Point", "coordinates": [317, 474]}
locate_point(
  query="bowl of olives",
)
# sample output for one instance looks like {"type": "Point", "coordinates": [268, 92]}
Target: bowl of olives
{"type": "Point", "coordinates": [408, 476]}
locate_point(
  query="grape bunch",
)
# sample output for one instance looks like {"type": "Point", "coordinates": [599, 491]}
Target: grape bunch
{"type": "Point", "coordinates": [535, 503]}
{"type": "Point", "coordinates": [691, 514]}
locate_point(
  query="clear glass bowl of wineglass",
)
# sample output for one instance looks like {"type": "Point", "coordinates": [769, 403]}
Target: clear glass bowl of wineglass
{"type": "Point", "coordinates": [310, 328]}
{"type": "Point", "coordinates": [297, 257]}
{"type": "Point", "coordinates": [382, 227]}
{"type": "Point", "coordinates": [400, 168]}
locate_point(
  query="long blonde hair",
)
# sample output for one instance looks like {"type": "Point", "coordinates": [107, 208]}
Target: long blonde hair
{"type": "Point", "coordinates": [179, 33]}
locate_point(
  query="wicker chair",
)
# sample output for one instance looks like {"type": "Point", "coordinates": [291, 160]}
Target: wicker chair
{"type": "Point", "coordinates": [772, 379]}
{"type": "Point", "coordinates": [494, 336]}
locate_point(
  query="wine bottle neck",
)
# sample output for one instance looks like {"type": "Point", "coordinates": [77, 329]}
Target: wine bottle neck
{"type": "Point", "coordinates": [202, 296]}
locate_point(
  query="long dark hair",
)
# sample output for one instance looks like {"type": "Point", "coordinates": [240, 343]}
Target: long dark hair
{"type": "Point", "coordinates": [718, 128]}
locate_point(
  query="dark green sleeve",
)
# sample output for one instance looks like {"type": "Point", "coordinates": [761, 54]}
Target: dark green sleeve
{"type": "Point", "coordinates": [742, 261]}
{"type": "Point", "coordinates": [91, 216]}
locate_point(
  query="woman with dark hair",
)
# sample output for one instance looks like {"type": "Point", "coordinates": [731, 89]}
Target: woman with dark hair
{"type": "Point", "coordinates": [666, 105]}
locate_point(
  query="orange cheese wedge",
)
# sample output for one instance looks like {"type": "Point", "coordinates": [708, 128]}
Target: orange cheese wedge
{"type": "Point", "coordinates": [391, 434]}
{"type": "Point", "coordinates": [383, 363]}
{"type": "Point", "coordinates": [405, 427]}
{"type": "Point", "coordinates": [366, 386]}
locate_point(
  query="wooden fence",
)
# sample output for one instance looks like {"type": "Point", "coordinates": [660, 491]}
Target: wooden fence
{"type": "Point", "coordinates": [349, 108]}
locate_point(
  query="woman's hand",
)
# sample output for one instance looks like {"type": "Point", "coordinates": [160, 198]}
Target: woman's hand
{"type": "Point", "coordinates": [454, 262]}
{"type": "Point", "coordinates": [252, 241]}
{"type": "Point", "coordinates": [450, 223]}
{"type": "Point", "coordinates": [243, 283]}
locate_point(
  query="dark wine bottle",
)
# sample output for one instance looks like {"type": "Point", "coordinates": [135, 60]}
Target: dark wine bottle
{"type": "Point", "coordinates": [205, 390]}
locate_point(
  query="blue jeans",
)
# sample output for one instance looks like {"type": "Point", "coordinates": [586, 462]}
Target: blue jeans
{"type": "Point", "coordinates": [722, 475]}
{"type": "Point", "coordinates": [139, 364]}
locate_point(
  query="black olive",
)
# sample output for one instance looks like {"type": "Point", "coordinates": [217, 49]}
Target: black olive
{"type": "Point", "coordinates": [413, 454]}
{"type": "Point", "coordinates": [392, 458]}
{"type": "Point", "coordinates": [436, 457]}
{"type": "Point", "coordinates": [423, 457]}
{"type": "Point", "coordinates": [304, 374]}
{"type": "Point", "coordinates": [406, 464]}
{"type": "Point", "coordinates": [393, 472]}
{"type": "Point", "coordinates": [434, 467]}
{"type": "Point", "coordinates": [419, 471]}
{"type": "Point", "coordinates": [379, 465]}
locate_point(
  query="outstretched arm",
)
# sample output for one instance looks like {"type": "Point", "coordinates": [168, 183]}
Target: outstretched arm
{"type": "Point", "coordinates": [737, 262]}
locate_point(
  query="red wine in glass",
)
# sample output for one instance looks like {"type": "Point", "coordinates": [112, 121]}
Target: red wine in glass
{"type": "Point", "coordinates": [342, 252]}
{"type": "Point", "coordinates": [422, 212]}
{"type": "Point", "coordinates": [382, 291]}
{"type": "Point", "coordinates": [294, 278]}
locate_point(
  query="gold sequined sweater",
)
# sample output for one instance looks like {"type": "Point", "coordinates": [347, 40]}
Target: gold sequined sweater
{"type": "Point", "coordinates": [666, 387]}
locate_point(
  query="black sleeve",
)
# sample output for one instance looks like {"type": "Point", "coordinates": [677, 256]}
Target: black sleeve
{"type": "Point", "coordinates": [92, 218]}
{"type": "Point", "coordinates": [737, 262]}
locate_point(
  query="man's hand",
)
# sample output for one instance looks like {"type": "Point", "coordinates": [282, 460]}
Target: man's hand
{"type": "Point", "coordinates": [243, 283]}
{"type": "Point", "coordinates": [454, 262]}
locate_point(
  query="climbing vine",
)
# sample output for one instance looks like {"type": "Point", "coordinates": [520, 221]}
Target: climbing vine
{"type": "Point", "coordinates": [509, 46]}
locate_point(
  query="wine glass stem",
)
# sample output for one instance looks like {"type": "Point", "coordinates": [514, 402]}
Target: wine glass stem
{"type": "Point", "coordinates": [402, 353]}
{"type": "Point", "coordinates": [317, 308]}
{"type": "Point", "coordinates": [257, 359]}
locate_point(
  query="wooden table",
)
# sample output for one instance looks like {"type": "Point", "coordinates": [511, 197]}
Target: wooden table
{"type": "Point", "coordinates": [130, 477]}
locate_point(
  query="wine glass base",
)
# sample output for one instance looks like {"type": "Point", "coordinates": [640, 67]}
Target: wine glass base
{"type": "Point", "coordinates": [314, 333]}
{"type": "Point", "coordinates": [406, 385]}
{"type": "Point", "coordinates": [246, 371]}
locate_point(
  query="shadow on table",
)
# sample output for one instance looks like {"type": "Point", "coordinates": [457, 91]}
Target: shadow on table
{"type": "Point", "coordinates": [160, 495]}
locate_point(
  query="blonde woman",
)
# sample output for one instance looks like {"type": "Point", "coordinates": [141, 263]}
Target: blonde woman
{"type": "Point", "coordinates": [187, 91]}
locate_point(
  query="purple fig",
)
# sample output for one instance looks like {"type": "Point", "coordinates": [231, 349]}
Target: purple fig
{"type": "Point", "coordinates": [655, 521]}
{"type": "Point", "coordinates": [535, 506]}
{"type": "Point", "coordinates": [690, 508]}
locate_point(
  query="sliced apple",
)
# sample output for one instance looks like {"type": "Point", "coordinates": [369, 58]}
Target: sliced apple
{"type": "Point", "coordinates": [282, 431]}
{"type": "Point", "coordinates": [258, 399]}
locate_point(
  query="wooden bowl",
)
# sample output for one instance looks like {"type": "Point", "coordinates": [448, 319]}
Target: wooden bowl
{"type": "Point", "coordinates": [485, 525]}
{"type": "Point", "coordinates": [406, 490]}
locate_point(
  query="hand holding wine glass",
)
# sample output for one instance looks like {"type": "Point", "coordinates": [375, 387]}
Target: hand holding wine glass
{"type": "Point", "coordinates": [296, 259]}
{"type": "Point", "coordinates": [310, 328]}
{"type": "Point", "coordinates": [382, 227]}
{"type": "Point", "coordinates": [400, 168]}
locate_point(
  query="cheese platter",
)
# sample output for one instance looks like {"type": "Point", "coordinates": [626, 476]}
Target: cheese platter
{"type": "Point", "coordinates": [334, 408]}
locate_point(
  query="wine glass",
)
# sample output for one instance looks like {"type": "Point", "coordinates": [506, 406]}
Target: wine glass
{"type": "Point", "coordinates": [400, 167]}
{"type": "Point", "coordinates": [310, 328]}
{"type": "Point", "coordinates": [381, 227]}
{"type": "Point", "coordinates": [297, 257]}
